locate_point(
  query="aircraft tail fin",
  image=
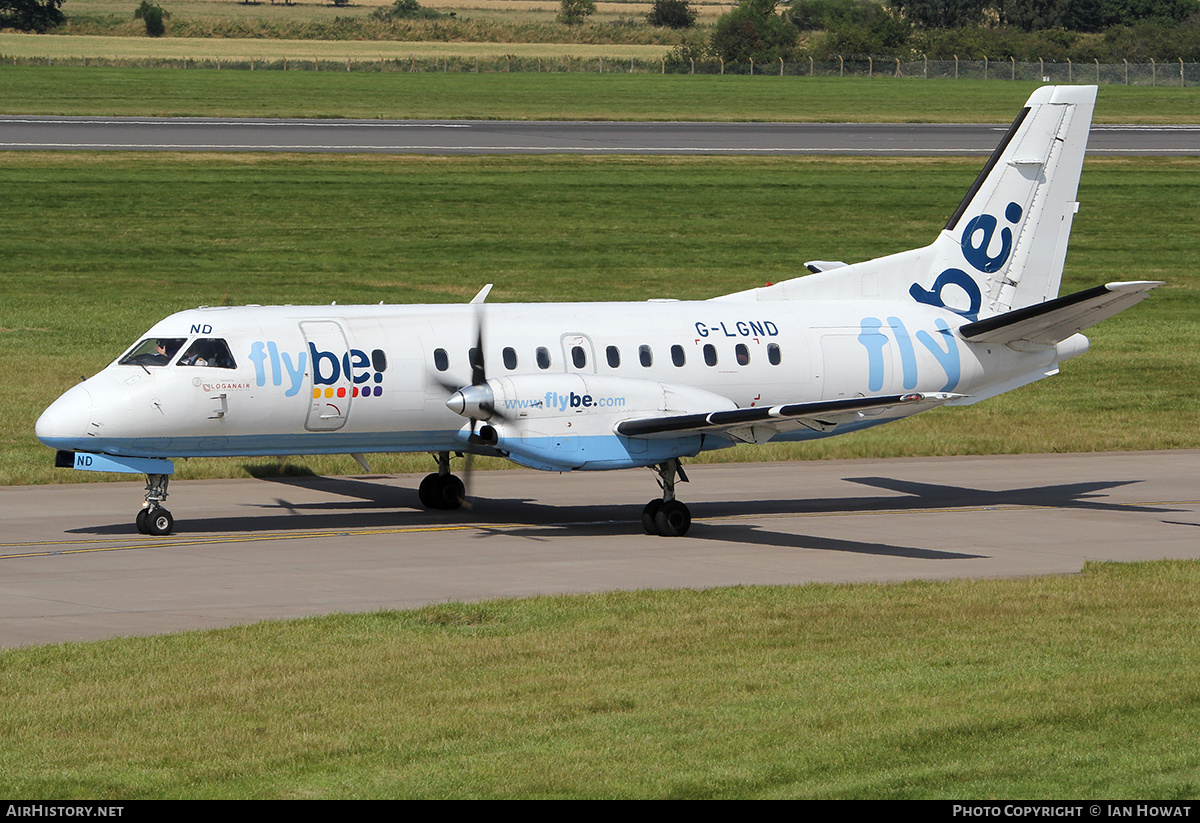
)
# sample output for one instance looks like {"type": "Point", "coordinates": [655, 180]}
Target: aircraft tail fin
{"type": "Point", "coordinates": [1005, 244]}
{"type": "Point", "coordinates": [1009, 234]}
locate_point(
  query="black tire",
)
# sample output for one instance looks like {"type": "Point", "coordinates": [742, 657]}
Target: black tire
{"type": "Point", "coordinates": [140, 521]}
{"type": "Point", "coordinates": [159, 522]}
{"type": "Point", "coordinates": [425, 490]}
{"type": "Point", "coordinates": [648, 514]}
{"type": "Point", "coordinates": [673, 519]}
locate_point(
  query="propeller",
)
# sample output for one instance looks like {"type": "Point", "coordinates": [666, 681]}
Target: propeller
{"type": "Point", "coordinates": [476, 401]}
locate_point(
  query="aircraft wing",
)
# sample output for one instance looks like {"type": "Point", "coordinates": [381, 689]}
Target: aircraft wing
{"type": "Point", "coordinates": [760, 423]}
{"type": "Point", "coordinates": [1056, 320]}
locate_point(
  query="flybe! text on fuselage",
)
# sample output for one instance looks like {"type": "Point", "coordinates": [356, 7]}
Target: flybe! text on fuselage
{"type": "Point", "coordinates": [282, 367]}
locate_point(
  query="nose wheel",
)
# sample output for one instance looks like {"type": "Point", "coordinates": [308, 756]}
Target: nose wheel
{"type": "Point", "coordinates": [667, 517]}
{"type": "Point", "coordinates": [152, 518]}
{"type": "Point", "coordinates": [157, 522]}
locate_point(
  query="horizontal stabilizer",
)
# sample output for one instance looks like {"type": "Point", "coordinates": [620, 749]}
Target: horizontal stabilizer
{"type": "Point", "coordinates": [1055, 320]}
{"type": "Point", "coordinates": [819, 416]}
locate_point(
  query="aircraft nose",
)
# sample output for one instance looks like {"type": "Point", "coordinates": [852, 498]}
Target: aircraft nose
{"type": "Point", "coordinates": [64, 424]}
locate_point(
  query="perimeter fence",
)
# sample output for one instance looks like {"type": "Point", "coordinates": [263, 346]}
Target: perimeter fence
{"type": "Point", "coordinates": [1177, 73]}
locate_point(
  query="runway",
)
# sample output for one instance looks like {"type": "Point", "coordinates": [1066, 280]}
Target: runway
{"type": "Point", "coordinates": [72, 567]}
{"type": "Point", "coordinates": [543, 137]}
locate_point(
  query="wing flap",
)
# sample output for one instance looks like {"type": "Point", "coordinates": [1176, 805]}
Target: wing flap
{"type": "Point", "coordinates": [759, 423]}
{"type": "Point", "coordinates": [1055, 320]}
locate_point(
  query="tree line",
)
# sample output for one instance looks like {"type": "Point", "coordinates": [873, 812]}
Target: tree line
{"type": "Point", "coordinates": [1026, 30]}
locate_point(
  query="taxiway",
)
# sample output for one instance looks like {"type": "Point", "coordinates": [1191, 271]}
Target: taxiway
{"type": "Point", "coordinates": [72, 567]}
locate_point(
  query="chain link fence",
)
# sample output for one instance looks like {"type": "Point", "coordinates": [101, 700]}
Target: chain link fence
{"type": "Point", "coordinates": [1176, 73]}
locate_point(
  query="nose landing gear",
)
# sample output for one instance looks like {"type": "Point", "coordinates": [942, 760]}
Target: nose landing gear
{"type": "Point", "coordinates": [153, 518]}
{"type": "Point", "coordinates": [667, 517]}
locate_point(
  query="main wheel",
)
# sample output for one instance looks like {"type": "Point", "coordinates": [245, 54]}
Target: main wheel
{"type": "Point", "coordinates": [648, 514]}
{"type": "Point", "coordinates": [673, 519]}
{"type": "Point", "coordinates": [159, 522]}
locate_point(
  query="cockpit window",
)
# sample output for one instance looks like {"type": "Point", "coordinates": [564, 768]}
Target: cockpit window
{"type": "Point", "coordinates": [207, 351]}
{"type": "Point", "coordinates": [153, 351]}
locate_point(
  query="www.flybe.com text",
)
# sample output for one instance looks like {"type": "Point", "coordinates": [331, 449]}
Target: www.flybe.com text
{"type": "Point", "coordinates": [562, 402]}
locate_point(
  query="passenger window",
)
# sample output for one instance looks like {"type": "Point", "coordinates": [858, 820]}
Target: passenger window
{"type": "Point", "coordinates": [578, 357]}
{"type": "Point", "coordinates": [543, 357]}
{"type": "Point", "coordinates": [153, 351]}
{"type": "Point", "coordinates": [710, 354]}
{"type": "Point", "coordinates": [773, 354]}
{"type": "Point", "coordinates": [441, 360]}
{"type": "Point", "coordinates": [614, 357]}
{"type": "Point", "coordinates": [645, 356]}
{"type": "Point", "coordinates": [379, 360]}
{"type": "Point", "coordinates": [510, 358]}
{"type": "Point", "coordinates": [207, 351]}
{"type": "Point", "coordinates": [475, 358]}
{"type": "Point", "coordinates": [742, 352]}
{"type": "Point", "coordinates": [677, 355]}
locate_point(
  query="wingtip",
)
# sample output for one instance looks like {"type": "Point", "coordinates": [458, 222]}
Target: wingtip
{"type": "Point", "coordinates": [1132, 286]}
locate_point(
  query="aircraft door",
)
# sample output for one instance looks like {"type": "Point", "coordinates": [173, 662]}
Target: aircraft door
{"type": "Point", "coordinates": [331, 387]}
{"type": "Point", "coordinates": [578, 354]}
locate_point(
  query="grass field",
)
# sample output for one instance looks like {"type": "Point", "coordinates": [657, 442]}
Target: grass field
{"type": "Point", "coordinates": [1059, 687]}
{"type": "Point", "coordinates": [100, 246]}
{"type": "Point", "coordinates": [520, 11]}
{"type": "Point", "coordinates": [73, 90]}
{"type": "Point", "coordinates": [301, 53]}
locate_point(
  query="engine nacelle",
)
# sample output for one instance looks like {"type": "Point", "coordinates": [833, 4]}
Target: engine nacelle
{"type": "Point", "coordinates": [560, 422]}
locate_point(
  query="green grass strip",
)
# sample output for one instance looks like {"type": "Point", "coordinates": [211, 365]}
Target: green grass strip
{"type": "Point", "coordinates": [1057, 687]}
{"type": "Point", "coordinates": [74, 90]}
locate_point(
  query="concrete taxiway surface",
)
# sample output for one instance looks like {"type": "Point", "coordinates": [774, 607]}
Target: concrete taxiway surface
{"type": "Point", "coordinates": [546, 137]}
{"type": "Point", "coordinates": [72, 567]}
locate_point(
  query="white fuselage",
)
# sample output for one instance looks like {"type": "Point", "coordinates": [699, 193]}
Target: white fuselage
{"type": "Point", "coordinates": [353, 379]}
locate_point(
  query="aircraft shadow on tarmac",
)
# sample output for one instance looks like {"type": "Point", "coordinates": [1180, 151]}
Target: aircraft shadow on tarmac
{"type": "Point", "coordinates": [373, 503]}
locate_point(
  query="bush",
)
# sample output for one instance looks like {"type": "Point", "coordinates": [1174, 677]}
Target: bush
{"type": "Point", "coordinates": [853, 28]}
{"type": "Point", "coordinates": [405, 10]}
{"type": "Point", "coordinates": [574, 12]}
{"type": "Point", "coordinates": [887, 38]}
{"type": "Point", "coordinates": [1143, 41]}
{"type": "Point", "coordinates": [941, 14]}
{"type": "Point", "coordinates": [695, 47]}
{"type": "Point", "coordinates": [30, 15]}
{"type": "Point", "coordinates": [753, 31]}
{"type": "Point", "coordinates": [152, 15]}
{"type": "Point", "coordinates": [675, 14]}
{"type": "Point", "coordinates": [824, 15]}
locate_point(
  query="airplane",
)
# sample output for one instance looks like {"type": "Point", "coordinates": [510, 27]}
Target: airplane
{"type": "Point", "coordinates": [598, 386]}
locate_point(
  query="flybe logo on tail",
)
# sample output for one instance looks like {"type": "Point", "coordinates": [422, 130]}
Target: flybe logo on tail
{"type": "Point", "coordinates": [328, 369]}
{"type": "Point", "coordinates": [978, 240]}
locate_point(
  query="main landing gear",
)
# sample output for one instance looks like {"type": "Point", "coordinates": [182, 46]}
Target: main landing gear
{"type": "Point", "coordinates": [153, 518]}
{"type": "Point", "coordinates": [442, 490]}
{"type": "Point", "coordinates": [667, 517]}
